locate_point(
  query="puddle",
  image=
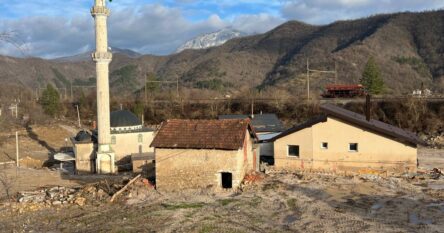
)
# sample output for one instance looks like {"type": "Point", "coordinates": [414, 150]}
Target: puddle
{"type": "Point", "coordinates": [414, 219]}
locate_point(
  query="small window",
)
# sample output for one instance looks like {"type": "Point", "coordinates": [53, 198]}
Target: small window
{"type": "Point", "coordinates": [140, 138]}
{"type": "Point", "coordinates": [293, 150]}
{"type": "Point", "coordinates": [113, 139]}
{"type": "Point", "coordinates": [324, 145]}
{"type": "Point", "coordinates": [353, 147]}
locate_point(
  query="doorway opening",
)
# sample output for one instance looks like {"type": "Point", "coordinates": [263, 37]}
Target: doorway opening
{"type": "Point", "coordinates": [227, 180]}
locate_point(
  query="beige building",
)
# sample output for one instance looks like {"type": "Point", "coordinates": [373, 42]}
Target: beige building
{"type": "Point", "coordinates": [343, 141]}
{"type": "Point", "coordinates": [204, 154]}
{"type": "Point", "coordinates": [128, 137]}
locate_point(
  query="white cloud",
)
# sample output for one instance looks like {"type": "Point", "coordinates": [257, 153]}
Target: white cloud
{"type": "Point", "coordinates": [151, 28]}
{"type": "Point", "coordinates": [258, 23]}
{"type": "Point", "coordinates": [326, 11]}
{"type": "Point", "coordinates": [51, 30]}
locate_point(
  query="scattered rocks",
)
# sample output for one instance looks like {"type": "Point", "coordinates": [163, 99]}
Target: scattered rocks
{"type": "Point", "coordinates": [54, 196]}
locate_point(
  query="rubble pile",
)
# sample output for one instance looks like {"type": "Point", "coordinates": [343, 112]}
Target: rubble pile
{"type": "Point", "coordinates": [97, 193]}
{"type": "Point", "coordinates": [251, 179]}
{"type": "Point", "coordinates": [52, 196]}
{"type": "Point", "coordinates": [140, 191]}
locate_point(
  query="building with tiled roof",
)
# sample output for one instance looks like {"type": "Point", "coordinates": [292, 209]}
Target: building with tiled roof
{"type": "Point", "coordinates": [204, 153]}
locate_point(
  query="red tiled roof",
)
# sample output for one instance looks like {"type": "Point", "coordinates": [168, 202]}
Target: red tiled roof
{"type": "Point", "coordinates": [203, 134]}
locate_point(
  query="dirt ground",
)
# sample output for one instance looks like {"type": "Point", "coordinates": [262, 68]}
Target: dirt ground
{"type": "Point", "coordinates": [36, 142]}
{"type": "Point", "coordinates": [279, 203]}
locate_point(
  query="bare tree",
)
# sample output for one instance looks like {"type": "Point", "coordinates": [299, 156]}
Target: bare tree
{"type": "Point", "coordinates": [10, 37]}
{"type": "Point", "coordinates": [6, 183]}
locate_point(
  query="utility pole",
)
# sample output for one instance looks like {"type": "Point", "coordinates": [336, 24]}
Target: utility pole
{"type": "Point", "coordinates": [252, 107]}
{"type": "Point", "coordinates": [17, 149]}
{"type": "Point", "coordinates": [177, 87]}
{"type": "Point", "coordinates": [78, 115]}
{"type": "Point", "coordinates": [336, 72]}
{"type": "Point", "coordinates": [146, 95]}
{"type": "Point", "coordinates": [318, 71]}
{"type": "Point", "coordinates": [308, 80]}
{"type": "Point", "coordinates": [71, 89]}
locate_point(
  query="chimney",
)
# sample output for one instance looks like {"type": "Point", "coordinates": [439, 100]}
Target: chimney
{"type": "Point", "coordinates": [367, 107]}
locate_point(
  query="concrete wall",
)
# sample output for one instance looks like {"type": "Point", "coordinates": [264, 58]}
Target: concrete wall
{"type": "Point", "coordinates": [128, 143]}
{"type": "Point", "coordinates": [84, 153]}
{"type": "Point", "coordinates": [302, 138]}
{"type": "Point", "coordinates": [375, 152]}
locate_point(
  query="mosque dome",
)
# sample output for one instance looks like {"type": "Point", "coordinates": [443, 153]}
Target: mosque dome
{"type": "Point", "coordinates": [83, 136]}
{"type": "Point", "coordinates": [124, 120]}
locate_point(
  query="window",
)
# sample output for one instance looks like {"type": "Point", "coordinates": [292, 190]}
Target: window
{"type": "Point", "coordinates": [140, 138]}
{"type": "Point", "coordinates": [293, 150]}
{"type": "Point", "coordinates": [324, 145]}
{"type": "Point", "coordinates": [353, 147]}
{"type": "Point", "coordinates": [113, 139]}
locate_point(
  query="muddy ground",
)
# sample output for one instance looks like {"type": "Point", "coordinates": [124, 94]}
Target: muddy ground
{"type": "Point", "coordinates": [279, 203]}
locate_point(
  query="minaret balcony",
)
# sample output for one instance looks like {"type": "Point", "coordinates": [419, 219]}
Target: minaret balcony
{"type": "Point", "coordinates": [100, 10]}
{"type": "Point", "coordinates": [102, 56]}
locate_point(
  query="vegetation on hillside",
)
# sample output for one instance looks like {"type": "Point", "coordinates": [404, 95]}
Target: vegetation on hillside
{"type": "Point", "coordinates": [50, 101]}
{"type": "Point", "coordinates": [124, 78]}
{"type": "Point", "coordinates": [371, 78]}
{"type": "Point", "coordinates": [215, 84]}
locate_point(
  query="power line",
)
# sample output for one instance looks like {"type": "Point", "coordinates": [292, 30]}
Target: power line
{"type": "Point", "coordinates": [318, 71]}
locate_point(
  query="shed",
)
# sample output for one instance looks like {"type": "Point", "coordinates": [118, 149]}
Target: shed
{"type": "Point", "coordinates": [203, 153]}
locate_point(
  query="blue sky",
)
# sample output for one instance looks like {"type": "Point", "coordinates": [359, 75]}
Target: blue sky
{"type": "Point", "coordinates": [54, 28]}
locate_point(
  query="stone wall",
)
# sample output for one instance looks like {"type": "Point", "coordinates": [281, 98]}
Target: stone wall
{"type": "Point", "coordinates": [178, 169]}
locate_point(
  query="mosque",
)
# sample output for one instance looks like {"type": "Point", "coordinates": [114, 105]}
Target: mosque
{"type": "Point", "coordinates": [119, 134]}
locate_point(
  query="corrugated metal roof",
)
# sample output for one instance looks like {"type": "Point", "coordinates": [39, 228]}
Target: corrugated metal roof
{"type": "Point", "coordinates": [267, 122]}
{"type": "Point", "coordinates": [226, 134]}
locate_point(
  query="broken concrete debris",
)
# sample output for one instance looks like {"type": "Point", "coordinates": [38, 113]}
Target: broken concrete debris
{"type": "Point", "coordinates": [53, 196]}
{"type": "Point", "coordinates": [99, 192]}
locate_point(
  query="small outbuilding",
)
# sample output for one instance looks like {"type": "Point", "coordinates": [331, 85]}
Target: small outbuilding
{"type": "Point", "coordinates": [343, 141]}
{"type": "Point", "coordinates": [214, 154]}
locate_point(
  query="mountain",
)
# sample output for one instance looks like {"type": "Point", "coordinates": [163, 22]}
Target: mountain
{"type": "Point", "coordinates": [87, 55]}
{"type": "Point", "coordinates": [211, 39]}
{"type": "Point", "coordinates": [408, 47]}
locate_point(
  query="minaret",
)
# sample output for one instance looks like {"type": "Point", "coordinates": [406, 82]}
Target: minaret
{"type": "Point", "coordinates": [102, 57]}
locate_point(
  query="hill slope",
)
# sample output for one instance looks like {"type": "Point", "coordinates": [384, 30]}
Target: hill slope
{"type": "Point", "coordinates": [408, 47]}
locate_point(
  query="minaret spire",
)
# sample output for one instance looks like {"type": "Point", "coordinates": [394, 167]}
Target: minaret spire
{"type": "Point", "coordinates": [102, 57]}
